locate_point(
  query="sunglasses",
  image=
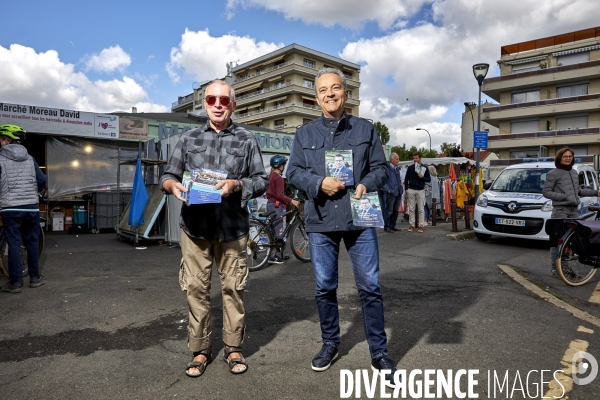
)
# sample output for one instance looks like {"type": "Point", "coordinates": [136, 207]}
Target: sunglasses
{"type": "Point", "coordinates": [212, 100]}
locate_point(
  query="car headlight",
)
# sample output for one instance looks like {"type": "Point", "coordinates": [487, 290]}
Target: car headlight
{"type": "Point", "coordinates": [482, 201]}
{"type": "Point", "coordinates": [547, 206]}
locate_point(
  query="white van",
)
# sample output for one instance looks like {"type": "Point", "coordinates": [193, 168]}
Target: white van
{"type": "Point", "coordinates": [514, 205]}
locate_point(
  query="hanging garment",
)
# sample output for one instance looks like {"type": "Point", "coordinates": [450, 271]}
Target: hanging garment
{"type": "Point", "coordinates": [461, 194]}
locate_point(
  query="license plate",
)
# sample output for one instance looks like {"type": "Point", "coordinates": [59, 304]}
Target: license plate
{"type": "Point", "coordinates": [512, 222]}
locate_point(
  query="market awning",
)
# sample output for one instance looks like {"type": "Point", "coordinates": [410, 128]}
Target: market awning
{"type": "Point", "coordinates": [444, 161]}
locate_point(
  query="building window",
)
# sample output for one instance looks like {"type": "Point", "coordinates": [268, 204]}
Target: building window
{"type": "Point", "coordinates": [575, 58]}
{"type": "Point", "coordinates": [308, 84]}
{"type": "Point", "coordinates": [348, 75]}
{"type": "Point", "coordinates": [259, 125]}
{"type": "Point", "coordinates": [308, 63]}
{"type": "Point", "coordinates": [279, 84]}
{"type": "Point", "coordinates": [260, 70]}
{"type": "Point", "coordinates": [279, 104]}
{"type": "Point", "coordinates": [525, 97]}
{"type": "Point", "coordinates": [529, 66]}
{"type": "Point", "coordinates": [279, 123]}
{"type": "Point", "coordinates": [573, 90]}
{"type": "Point", "coordinates": [350, 94]}
{"type": "Point", "coordinates": [525, 153]}
{"type": "Point", "coordinates": [572, 122]}
{"type": "Point", "coordinates": [525, 126]}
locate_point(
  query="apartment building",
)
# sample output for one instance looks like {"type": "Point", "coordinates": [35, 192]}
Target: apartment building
{"type": "Point", "coordinates": [184, 104]}
{"type": "Point", "coordinates": [549, 97]}
{"type": "Point", "coordinates": [277, 91]}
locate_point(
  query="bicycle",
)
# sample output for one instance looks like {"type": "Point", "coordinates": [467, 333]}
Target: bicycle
{"type": "Point", "coordinates": [262, 240]}
{"type": "Point", "coordinates": [4, 251]}
{"type": "Point", "coordinates": [578, 250]}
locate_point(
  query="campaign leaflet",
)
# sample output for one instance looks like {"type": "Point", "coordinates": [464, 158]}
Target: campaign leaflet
{"type": "Point", "coordinates": [199, 183]}
{"type": "Point", "coordinates": [366, 211]}
{"type": "Point", "coordinates": [339, 165]}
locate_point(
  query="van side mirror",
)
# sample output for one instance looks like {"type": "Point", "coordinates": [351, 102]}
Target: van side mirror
{"type": "Point", "coordinates": [488, 185]}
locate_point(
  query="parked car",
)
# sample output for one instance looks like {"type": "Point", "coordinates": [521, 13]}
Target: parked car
{"type": "Point", "coordinates": [514, 206]}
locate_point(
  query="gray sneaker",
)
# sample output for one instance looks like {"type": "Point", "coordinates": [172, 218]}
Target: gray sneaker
{"type": "Point", "coordinates": [11, 288]}
{"type": "Point", "coordinates": [37, 282]}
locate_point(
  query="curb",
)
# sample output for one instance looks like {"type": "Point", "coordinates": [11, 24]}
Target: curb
{"type": "Point", "coordinates": [464, 235]}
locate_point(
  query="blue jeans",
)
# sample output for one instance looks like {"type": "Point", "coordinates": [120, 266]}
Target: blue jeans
{"type": "Point", "coordinates": [364, 254]}
{"type": "Point", "coordinates": [23, 226]}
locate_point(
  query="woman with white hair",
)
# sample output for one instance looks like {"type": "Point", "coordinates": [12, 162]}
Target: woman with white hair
{"type": "Point", "coordinates": [433, 193]}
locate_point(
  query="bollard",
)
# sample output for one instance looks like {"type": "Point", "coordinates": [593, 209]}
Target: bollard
{"type": "Point", "coordinates": [433, 211]}
{"type": "Point", "coordinates": [453, 215]}
{"type": "Point", "coordinates": [467, 217]}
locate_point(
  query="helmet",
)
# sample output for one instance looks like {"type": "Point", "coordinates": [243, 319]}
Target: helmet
{"type": "Point", "coordinates": [278, 160]}
{"type": "Point", "coordinates": [14, 132]}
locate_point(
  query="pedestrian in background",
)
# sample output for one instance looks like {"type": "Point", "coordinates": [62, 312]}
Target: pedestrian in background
{"type": "Point", "coordinates": [416, 177]}
{"type": "Point", "coordinates": [21, 180]}
{"type": "Point", "coordinates": [434, 193]}
{"type": "Point", "coordinates": [392, 191]}
{"type": "Point", "coordinates": [562, 187]}
{"type": "Point", "coordinates": [277, 201]}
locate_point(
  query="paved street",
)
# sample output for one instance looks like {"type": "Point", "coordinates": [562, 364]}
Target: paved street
{"type": "Point", "coordinates": [111, 322]}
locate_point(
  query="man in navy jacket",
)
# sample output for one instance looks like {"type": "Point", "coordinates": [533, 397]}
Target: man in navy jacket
{"type": "Point", "coordinates": [392, 191]}
{"type": "Point", "coordinates": [328, 215]}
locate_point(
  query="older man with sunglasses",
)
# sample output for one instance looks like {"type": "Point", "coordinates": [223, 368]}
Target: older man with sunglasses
{"type": "Point", "coordinates": [216, 232]}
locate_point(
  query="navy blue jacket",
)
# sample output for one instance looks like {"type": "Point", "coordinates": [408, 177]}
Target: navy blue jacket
{"type": "Point", "coordinates": [393, 184]}
{"type": "Point", "coordinates": [412, 180]}
{"type": "Point", "coordinates": [307, 169]}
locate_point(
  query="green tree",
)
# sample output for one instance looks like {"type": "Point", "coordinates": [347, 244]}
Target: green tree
{"type": "Point", "coordinates": [383, 132]}
{"type": "Point", "coordinates": [447, 148]}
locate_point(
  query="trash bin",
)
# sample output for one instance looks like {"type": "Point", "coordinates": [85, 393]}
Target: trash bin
{"type": "Point", "coordinates": [80, 216]}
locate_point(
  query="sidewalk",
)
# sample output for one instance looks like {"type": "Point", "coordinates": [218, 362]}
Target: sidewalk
{"type": "Point", "coordinates": [442, 228]}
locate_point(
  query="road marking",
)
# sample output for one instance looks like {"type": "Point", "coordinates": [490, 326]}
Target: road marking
{"type": "Point", "coordinates": [566, 375]}
{"type": "Point", "coordinates": [596, 295]}
{"type": "Point", "coordinates": [584, 329]}
{"type": "Point", "coordinates": [548, 297]}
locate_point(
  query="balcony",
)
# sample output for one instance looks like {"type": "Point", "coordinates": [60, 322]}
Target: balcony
{"type": "Point", "coordinates": [183, 101]}
{"type": "Point", "coordinates": [558, 138]}
{"type": "Point", "coordinates": [587, 103]}
{"type": "Point", "coordinates": [547, 76]}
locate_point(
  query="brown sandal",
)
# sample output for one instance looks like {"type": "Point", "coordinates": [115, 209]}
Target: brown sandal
{"type": "Point", "coordinates": [200, 366]}
{"type": "Point", "coordinates": [234, 361]}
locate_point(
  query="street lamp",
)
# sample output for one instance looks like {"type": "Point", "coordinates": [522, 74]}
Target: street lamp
{"type": "Point", "coordinates": [480, 71]}
{"type": "Point", "coordinates": [421, 129]}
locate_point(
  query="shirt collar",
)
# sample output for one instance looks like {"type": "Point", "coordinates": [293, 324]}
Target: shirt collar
{"type": "Point", "coordinates": [230, 129]}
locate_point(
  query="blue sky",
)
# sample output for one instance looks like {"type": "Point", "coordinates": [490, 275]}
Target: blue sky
{"type": "Point", "coordinates": [108, 56]}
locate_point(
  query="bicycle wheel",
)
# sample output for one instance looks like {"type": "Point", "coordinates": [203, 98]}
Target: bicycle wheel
{"type": "Point", "coordinates": [568, 267]}
{"type": "Point", "coordinates": [299, 241]}
{"type": "Point", "coordinates": [259, 246]}
{"type": "Point", "coordinates": [23, 253]}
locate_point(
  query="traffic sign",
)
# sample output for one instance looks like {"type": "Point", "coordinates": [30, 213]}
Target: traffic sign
{"type": "Point", "coordinates": [480, 139]}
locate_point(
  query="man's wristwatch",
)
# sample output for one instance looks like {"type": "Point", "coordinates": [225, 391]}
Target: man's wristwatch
{"type": "Point", "coordinates": [238, 187]}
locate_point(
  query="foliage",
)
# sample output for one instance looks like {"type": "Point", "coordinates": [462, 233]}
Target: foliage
{"type": "Point", "coordinates": [383, 132]}
{"type": "Point", "coordinates": [406, 154]}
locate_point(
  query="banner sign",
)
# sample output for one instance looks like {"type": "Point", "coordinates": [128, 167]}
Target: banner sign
{"type": "Point", "coordinates": [60, 121]}
{"type": "Point", "coordinates": [133, 128]}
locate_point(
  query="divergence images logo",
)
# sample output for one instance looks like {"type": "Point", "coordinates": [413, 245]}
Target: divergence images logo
{"type": "Point", "coordinates": [588, 366]}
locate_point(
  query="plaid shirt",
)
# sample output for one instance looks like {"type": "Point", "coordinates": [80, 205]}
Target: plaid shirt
{"type": "Point", "coordinates": [234, 150]}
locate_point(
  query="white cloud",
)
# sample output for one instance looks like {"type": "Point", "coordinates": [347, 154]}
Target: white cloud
{"type": "Point", "coordinates": [42, 79]}
{"type": "Point", "coordinates": [109, 60]}
{"type": "Point", "coordinates": [204, 57]}
{"type": "Point", "coordinates": [431, 65]}
{"type": "Point", "coordinates": [348, 13]}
